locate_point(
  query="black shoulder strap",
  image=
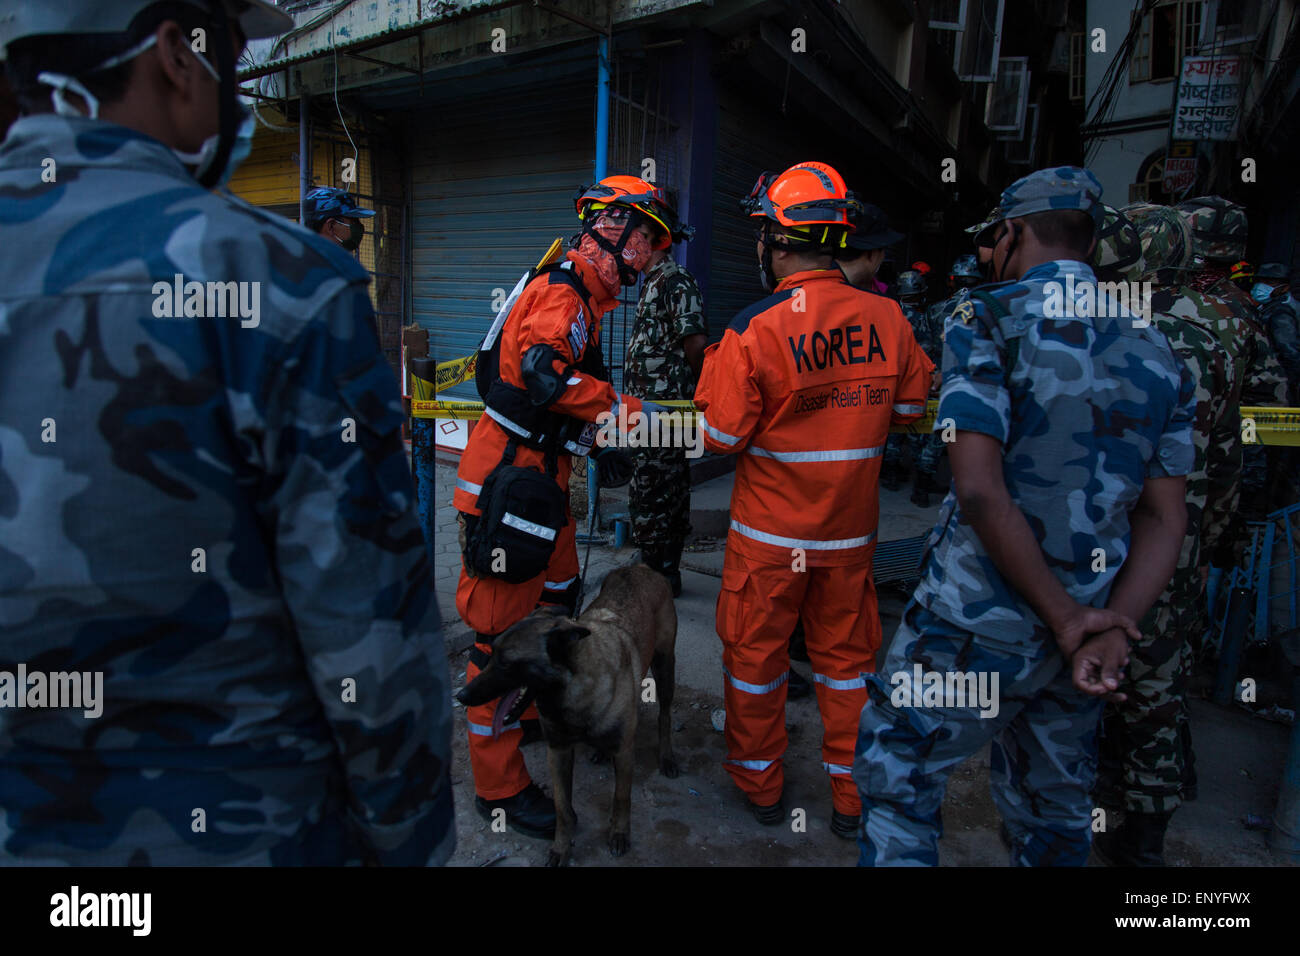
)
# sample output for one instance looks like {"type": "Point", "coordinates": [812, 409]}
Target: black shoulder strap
{"type": "Point", "coordinates": [567, 273]}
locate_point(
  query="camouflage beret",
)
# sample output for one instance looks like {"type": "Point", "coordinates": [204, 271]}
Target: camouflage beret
{"type": "Point", "coordinates": [1166, 237]}
{"type": "Point", "coordinates": [1219, 228]}
{"type": "Point", "coordinates": [1118, 255]}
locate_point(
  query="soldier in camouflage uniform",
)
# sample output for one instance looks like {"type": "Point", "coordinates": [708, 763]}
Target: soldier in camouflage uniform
{"type": "Point", "coordinates": [965, 275]}
{"type": "Point", "coordinates": [1219, 231]}
{"type": "Point", "coordinates": [222, 525]}
{"type": "Point", "coordinates": [1145, 743]}
{"type": "Point", "coordinates": [663, 362]}
{"type": "Point", "coordinates": [910, 289]}
{"type": "Point", "coordinates": [1050, 457]}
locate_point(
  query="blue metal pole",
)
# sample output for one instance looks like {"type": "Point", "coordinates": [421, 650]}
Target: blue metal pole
{"type": "Point", "coordinates": [602, 164]}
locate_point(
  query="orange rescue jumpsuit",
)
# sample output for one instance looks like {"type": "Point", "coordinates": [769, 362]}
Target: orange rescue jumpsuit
{"type": "Point", "coordinates": [549, 311]}
{"type": "Point", "coordinates": [804, 385]}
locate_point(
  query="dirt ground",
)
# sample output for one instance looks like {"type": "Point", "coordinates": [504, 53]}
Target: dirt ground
{"type": "Point", "coordinates": [699, 818]}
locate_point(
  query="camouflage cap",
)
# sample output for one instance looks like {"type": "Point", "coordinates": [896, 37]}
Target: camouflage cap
{"type": "Point", "coordinates": [966, 267]}
{"type": "Point", "coordinates": [978, 231]}
{"type": "Point", "coordinates": [1219, 228]}
{"type": "Point", "coordinates": [1166, 237]}
{"type": "Point", "coordinates": [329, 202]}
{"type": "Point", "coordinates": [910, 282]}
{"type": "Point", "coordinates": [257, 18]}
{"type": "Point", "coordinates": [1048, 190]}
{"type": "Point", "coordinates": [1118, 255]}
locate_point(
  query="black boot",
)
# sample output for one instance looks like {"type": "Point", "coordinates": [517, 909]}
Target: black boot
{"type": "Point", "coordinates": [920, 497]}
{"type": "Point", "coordinates": [531, 812]}
{"type": "Point", "coordinates": [1138, 841]}
{"type": "Point", "coordinates": [768, 816]}
{"type": "Point", "coordinates": [845, 826]}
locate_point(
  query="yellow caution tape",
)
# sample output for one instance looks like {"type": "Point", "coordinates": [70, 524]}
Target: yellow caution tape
{"type": "Point", "coordinates": [450, 374]}
{"type": "Point", "coordinates": [1270, 425]}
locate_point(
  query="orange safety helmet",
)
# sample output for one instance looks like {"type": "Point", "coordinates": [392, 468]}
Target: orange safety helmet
{"type": "Point", "coordinates": [1241, 270]}
{"type": "Point", "coordinates": [805, 195]}
{"type": "Point", "coordinates": [634, 193]}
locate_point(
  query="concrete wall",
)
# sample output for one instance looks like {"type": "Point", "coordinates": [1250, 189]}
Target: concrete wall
{"type": "Point", "coordinates": [1118, 157]}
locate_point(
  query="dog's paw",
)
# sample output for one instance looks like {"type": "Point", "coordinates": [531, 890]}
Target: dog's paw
{"type": "Point", "coordinates": [668, 767]}
{"type": "Point", "coordinates": [556, 858]}
{"type": "Point", "coordinates": [599, 756]}
{"type": "Point", "coordinates": [618, 843]}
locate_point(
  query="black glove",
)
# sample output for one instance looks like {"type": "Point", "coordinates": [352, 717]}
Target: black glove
{"type": "Point", "coordinates": [614, 467]}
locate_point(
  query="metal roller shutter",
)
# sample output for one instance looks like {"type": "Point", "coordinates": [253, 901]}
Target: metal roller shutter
{"type": "Point", "coordinates": [493, 180]}
{"type": "Point", "coordinates": [745, 148]}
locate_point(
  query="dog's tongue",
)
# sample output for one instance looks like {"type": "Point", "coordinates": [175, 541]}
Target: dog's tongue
{"type": "Point", "coordinates": [504, 706]}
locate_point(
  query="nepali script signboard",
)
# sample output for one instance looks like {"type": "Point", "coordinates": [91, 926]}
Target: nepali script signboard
{"type": "Point", "coordinates": [1209, 91]}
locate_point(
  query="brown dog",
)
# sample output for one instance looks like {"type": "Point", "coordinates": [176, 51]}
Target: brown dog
{"type": "Point", "coordinates": [586, 677]}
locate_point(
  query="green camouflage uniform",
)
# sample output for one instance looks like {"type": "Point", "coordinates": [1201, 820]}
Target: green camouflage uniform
{"type": "Point", "coordinates": [222, 526]}
{"type": "Point", "coordinates": [670, 309]}
{"type": "Point", "coordinates": [1143, 758]}
{"type": "Point", "coordinates": [1219, 230]}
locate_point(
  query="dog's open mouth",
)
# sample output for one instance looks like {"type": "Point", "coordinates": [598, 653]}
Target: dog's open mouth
{"type": "Point", "coordinates": [510, 708]}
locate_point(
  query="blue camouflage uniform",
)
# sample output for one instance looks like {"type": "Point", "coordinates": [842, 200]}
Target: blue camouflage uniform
{"type": "Point", "coordinates": [216, 515]}
{"type": "Point", "coordinates": [1087, 408]}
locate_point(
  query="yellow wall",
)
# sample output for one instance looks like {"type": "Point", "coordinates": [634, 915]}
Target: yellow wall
{"type": "Point", "coordinates": [269, 176]}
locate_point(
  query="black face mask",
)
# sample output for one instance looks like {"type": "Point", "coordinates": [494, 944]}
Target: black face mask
{"type": "Point", "coordinates": [356, 232]}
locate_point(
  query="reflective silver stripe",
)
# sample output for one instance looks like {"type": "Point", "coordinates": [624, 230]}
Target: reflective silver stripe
{"type": "Point", "coordinates": [469, 486]}
{"type": "Point", "coordinates": [483, 730]}
{"type": "Point", "coordinates": [834, 454]}
{"type": "Point", "coordinates": [527, 527]}
{"type": "Point", "coordinates": [506, 423]}
{"type": "Point", "coordinates": [908, 409]}
{"type": "Point", "coordinates": [756, 688]}
{"type": "Point", "coordinates": [563, 585]}
{"type": "Point", "coordinates": [834, 684]}
{"type": "Point", "coordinates": [836, 768]}
{"type": "Point", "coordinates": [717, 435]}
{"type": "Point", "coordinates": [573, 448]}
{"type": "Point", "coordinates": [574, 381]}
{"type": "Point", "coordinates": [838, 544]}
{"type": "Point", "coordinates": [752, 764]}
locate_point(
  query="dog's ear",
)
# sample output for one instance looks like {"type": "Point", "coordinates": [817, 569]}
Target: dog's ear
{"type": "Point", "coordinates": [559, 642]}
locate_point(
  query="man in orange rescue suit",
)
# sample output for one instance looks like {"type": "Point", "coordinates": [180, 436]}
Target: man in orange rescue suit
{"type": "Point", "coordinates": [804, 386]}
{"type": "Point", "coordinates": [549, 388]}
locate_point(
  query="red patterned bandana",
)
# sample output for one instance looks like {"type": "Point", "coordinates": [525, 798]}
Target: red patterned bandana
{"type": "Point", "coordinates": [636, 252]}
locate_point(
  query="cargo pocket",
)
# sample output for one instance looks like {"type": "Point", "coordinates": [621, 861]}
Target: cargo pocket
{"type": "Point", "coordinates": [731, 604]}
{"type": "Point", "coordinates": [369, 392]}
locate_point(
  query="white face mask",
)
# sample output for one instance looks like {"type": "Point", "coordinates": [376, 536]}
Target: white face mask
{"type": "Point", "coordinates": [202, 160]}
